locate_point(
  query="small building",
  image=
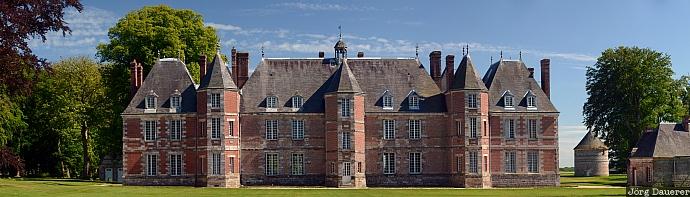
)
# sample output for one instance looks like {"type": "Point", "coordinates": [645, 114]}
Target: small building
{"type": "Point", "coordinates": [591, 157]}
{"type": "Point", "coordinates": [661, 157]}
{"type": "Point", "coordinates": [110, 169]}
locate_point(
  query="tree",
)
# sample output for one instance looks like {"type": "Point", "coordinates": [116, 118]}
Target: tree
{"type": "Point", "coordinates": [683, 85]}
{"type": "Point", "coordinates": [630, 89]}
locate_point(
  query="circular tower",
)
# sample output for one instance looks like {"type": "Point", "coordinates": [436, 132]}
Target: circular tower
{"type": "Point", "coordinates": [591, 157]}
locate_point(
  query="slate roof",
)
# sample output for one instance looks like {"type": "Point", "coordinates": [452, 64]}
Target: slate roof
{"type": "Point", "coordinates": [217, 75]}
{"type": "Point", "coordinates": [344, 80]}
{"type": "Point", "coordinates": [513, 76]}
{"type": "Point", "coordinates": [669, 140]}
{"type": "Point", "coordinates": [166, 76]}
{"type": "Point", "coordinates": [591, 142]}
{"type": "Point", "coordinates": [312, 77]}
{"type": "Point", "coordinates": [467, 77]}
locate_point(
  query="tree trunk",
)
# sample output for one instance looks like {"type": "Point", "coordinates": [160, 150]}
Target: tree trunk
{"type": "Point", "coordinates": [85, 146]}
{"type": "Point", "coordinates": [63, 172]}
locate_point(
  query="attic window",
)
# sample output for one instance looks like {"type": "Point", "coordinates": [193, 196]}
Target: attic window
{"type": "Point", "coordinates": [271, 101]}
{"type": "Point", "coordinates": [531, 101]}
{"type": "Point", "coordinates": [413, 102]}
{"type": "Point", "coordinates": [150, 101]}
{"type": "Point", "coordinates": [175, 100]}
{"type": "Point", "coordinates": [508, 100]}
{"type": "Point", "coordinates": [297, 102]}
{"type": "Point", "coordinates": [387, 100]}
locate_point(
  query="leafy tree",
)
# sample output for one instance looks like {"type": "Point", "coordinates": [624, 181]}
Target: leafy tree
{"type": "Point", "coordinates": [630, 89]}
{"type": "Point", "coordinates": [683, 85]}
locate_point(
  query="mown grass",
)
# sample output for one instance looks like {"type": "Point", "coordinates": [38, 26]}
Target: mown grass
{"type": "Point", "coordinates": [569, 180]}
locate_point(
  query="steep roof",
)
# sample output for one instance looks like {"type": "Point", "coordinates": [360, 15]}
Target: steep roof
{"type": "Point", "coordinates": [467, 77]}
{"type": "Point", "coordinates": [217, 75]}
{"type": "Point", "coordinates": [513, 76]}
{"type": "Point", "coordinates": [166, 76]}
{"type": "Point", "coordinates": [311, 78]}
{"type": "Point", "coordinates": [344, 80]}
{"type": "Point", "coordinates": [591, 142]}
{"type": "Point", "coordinates": [669, 140]}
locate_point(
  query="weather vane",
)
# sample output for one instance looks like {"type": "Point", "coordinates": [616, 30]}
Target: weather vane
{"type": "Point", "coordinates": [416, 50]}
{"type": "Point", "coordinates": [262, 51]}
{"type": "Point", "coordinates": [340, 30]}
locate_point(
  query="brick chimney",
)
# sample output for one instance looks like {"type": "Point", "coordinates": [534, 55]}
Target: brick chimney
{"type": "Point", "coordinates": [202, 67]}
{"type": "Point", "coordinates": [435, 66]}
{"type": "Point", "coordinates": [546, 77]}
{"type": "Point", "coordinates": [321, 54]}
{"type": "Point", "coordinates": [450, 70]}
{"type": "Point", "coordinates": [134, 77]}
{"type": "Point", "coordinates": [686, 123]}
{"type": "Point", "coordinates": [531, 72]}
{"type": "Point", "coordinates": [233, 63]}
{"type": "Point", "coordinates": [242, 64]}
{"type": "Point", "coordinates": [360, 54]}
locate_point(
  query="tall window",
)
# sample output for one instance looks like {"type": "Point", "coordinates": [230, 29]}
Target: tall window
{"type": "Point", "coordinates": [649, 175]}
{"type": "Point", "coordinates": [458, 128]}
{"type": "Point", "coordinates": [297, 164]}
{"type": "Point", "coordinates": [508, 101]}
{"type": "Point", "coordinates": [510, 162]}
{"type": "Point", "coordinates": [149, 130]}
{"type": "Point", "coordinates": [532, 128]}
{"type": "Point", "coordinates": [215, 163]}
{"type": "Point", "coordinates": [175, 102]}
{"type": "Point", "coordinates": [271, 102]}
{"type": "Point", "coordinates": [231, 165]}
{"type": "Point", "coordinates": [533, 162]}
{"type": "Point", "coordinates": [271, 164]}
{"type": "Point", "coordinates": [346, 141]}
{"type": "Point", "coordinates": [473, 127]}
{"type": "Point", "coordinates": [231, 128]}
{"type": "Point", "coordinates": [387, 102]}
{"type": "Point", "coordinates": [413, 102]}
{"type": "Point", "coordinates": [415, 129]}
{"type": "Point", "coordinates": [345, 107]}
{"type": "Point", "coordinates": [215, 100]}
{"type": "Point", "coordinates": [388, 129]}
{"type": "Point", "coordinates": [510, 128]}
{"type": "Point", "coordinates": [531, 101]}
{"type": "Point", "coordinates": [389, 163]}
{"type": "Point", "coordinates": [175, 164]}
{"type": "Point", "coordinates": [297, 129]}
{"type": "Point", "coordinates": [347, 169]}
{"type": "Point", "coordinates": [296, 102]}
{"type": "Point", "coordinates": [415, 163]}
{"type": "Point", "coordinates": [175, 129]}
{"type": "Point", "coordinates": [459, 163]}
{"type": "Point", "coordinates": [474, 163]}
{"type": "Point", "coordinates": [271, 129]}
{"type": "Point", "coordinates": [150, 102]}
{"type": "Point", "coordinates": [215, 128]}
{"type": "Point", "coordinates": [151, 165]}
{"type": "Point", "coordinates": [472, 101]}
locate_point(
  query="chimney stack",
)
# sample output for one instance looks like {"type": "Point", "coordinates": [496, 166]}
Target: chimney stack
{"type": "Point", "coordinates": [360, 54]}
{"type": "Point", "coordinates": [450, 70]}
{"type": "Point", "coordinates": [435, 66]}
{"type": "Point", "coordinates": [546, 77]}
{"type": "Point", "coordinates": [321, 54]}
{"type": "Point", "coordinates": [686, 123]}
{"type": "Point", "coordinates": [531, 72]}
{"type": "Point", "coordinates": [242, 65]}
{"type": "Point", "coordinates": [202, 67]}
{"type": "Point", "coordinates": [233, 63]}
{"type": "Point", "coordinates": [134, 78]}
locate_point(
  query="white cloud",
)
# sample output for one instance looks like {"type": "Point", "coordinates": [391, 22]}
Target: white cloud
{"type": "Point", "coordinates": [224, 27]}
{"type": "Point", "coordinates": [320, 7]}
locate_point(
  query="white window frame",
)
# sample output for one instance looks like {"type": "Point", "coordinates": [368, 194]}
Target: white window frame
{"type": "Point", "coordinates": [150, 127]}
{"type": "Point", "coordinates": [474, 162]}
{"type": "Point", "coordinates": [415, 162]}
{"type": "Point", "coordinates": [345, 107]}
{"type": "Point", "coordinates": [272, 102]}
{"type": "Point", "coordinates": [215, 100]}
{"type": "Point", "coordinates": [175, 102]}
{"type": "Point", "coordinates": [271, 129]}
{"type": "Point", "coordinates": [231, 164]}
{"type": "Point", "coordinates": [297, 102]}
{"type": "Point", "coordinates": [387, 102]}
{"type": "Point", "coordinates": [345, 140]}
{"type": "Point", "coordinates": [388, 129]}
{"type": "Point", "coordinates": [216, 164]}
{"type": "Point", "coordinates": [271, 164]}
{"type": "Point", "coordinates": [472, 101]}
{"type": "Point", "coordinates": [215, 128]}
{"type": "Point", "coordinates": [150, 102]}
{"type": "Point", "coordinates": [297, 161]}
{"type": "Point", "coordinates": [414, 129]}
{"type": "Point", "coordinates": [297, 129]}
{"type": "Point", "coordinates": [509, 101]}
{"type": "Point", "coordinates": [474, 129]}
{"type": "Point", "coordinates": [509, 127]}
{"type": "Point", "coordinates": [347, 169]}
{"type": "Point", "coordinates": [531, 102]}
{"type": "Point", "coordinates": [151, 165]}
{"type": "Point", "coordinates": [533, 161]}
{"type": "Point", "coordinates": [532, 128]}
{"type": "Point", "coordinates": [388, 163]}
{"type": "Point", "coordinates": [175, 129]}
{"type": "Point", "coordinates": [231, 128]}
{"type": "Point", "coordinates": [510, 162]}
{"type": "Point", "coordinates": [175, 164]}
{"type": "Point", "coordinates": [413, 102]}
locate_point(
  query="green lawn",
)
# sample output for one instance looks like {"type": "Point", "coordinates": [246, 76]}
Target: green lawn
{"type": "Point", "coordinates": [616, 180]}
{"type": "Point", "coordinates": [55, 188]}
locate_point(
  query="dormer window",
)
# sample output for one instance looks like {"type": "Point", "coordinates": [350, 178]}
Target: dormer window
{"type": "Point", "coordinates": [150, 102]}
{"type": "Point", "coordinates": [413, 102]}
{"type": "Point", "coordinates": [508, 100]}
{"type": "Point", "coordinates": [387, 100]}
{"type": "Point", "coordinates": [271, 102]}
{"type": "Point", "coordinates": [297, 102]}
{"type": "Point", "coordinates": [175, 100]}
{"type": "Point", "coordinates": [531, 100]}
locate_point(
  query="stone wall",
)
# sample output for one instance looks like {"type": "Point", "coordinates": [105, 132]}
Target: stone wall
{"type": "Point", "coordinates": [591, 163]}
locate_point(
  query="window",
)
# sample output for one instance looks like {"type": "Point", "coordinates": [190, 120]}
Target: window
{"type": "Point", "coordinates": [175, 164]}
{"type": "Point", "coordinates": [459, 163]}
{"type": "Point", "coordinates": [387, 102]}
{"type": "Point", "coordinates": [532, 128]}
{"type": "Point", "coordinates": [215, 100]}
{"type": "Point", "coordinates": [297, 129]}
{"type": "Point", "coordinates": [508, 100]}
{"type": "Point", "coordinates": [458, 127]}
{"type": "Point", "coordinates": [533, 162]}
{"type": "Point", "coordinates": [389, 163]}
{"type": "Point", "coordinates": [649, 175]}
{"type": "Point", "coordinates": [415, 129]}
{"type": "Point", "coordinates": [346, 142]}
{"type": "Point", "coordinates": [388, 129]}
{"type": "Point", "coordinates": [473, 127]}
{"type": "Point", "coordinates": [215, 164]}
{"type": "Point", "coordinates": [150, 102]}
{"type": "Point", "coordinates": [271, 164]}
{"type": "Point", "coordinates": [472, 101]}
{"type": "Point", "coordinates": [510, 162]}
{"type": "Point", "coordinates": [347, 169]}
{"type": "Point", "coordinates": [175, 129]}
{"type": "Point", "coordinates": [297, 164]}
{"type": "Point", "coordinates": [271, 102]}
{"type": "Point", "coordinates": [149, 130]}
{"type": "Point", "coordinates": [231, 165]}
{"type": "Point", "coordinates": [271, 129]}
{"type": "Point", "coordinates": [414, 102]}
{"type": "Point", "coordinates": [151, 165]}
{"type": "Point", "coordinates": [359, 167]}
{"type": "Point", "coordinates": [415, 163]}
{"type": "Point", "coordinates": [215, 128]}
{"type": "Point", "coordinates": [474, 163]}
{"type": "Point", "coordinates": [332, 168]}
{"type": "Point", "coordinates": [345, 107]}
{"type": "Point", "coordinates": [531, 101]}
{"type": "Point", "coordinates": [296, 102]}
{"type": "Point", "coordinates": [175, 102]}
{"type": "Point", "coordinates": [231, 128]}
{"type": "Point", "coordinates": [510, 128]}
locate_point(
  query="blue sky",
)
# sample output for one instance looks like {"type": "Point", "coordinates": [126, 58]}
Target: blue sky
{"type": "Point", "coordinates": [571, 33]}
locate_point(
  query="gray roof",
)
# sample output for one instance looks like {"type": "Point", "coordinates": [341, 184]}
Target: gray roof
{"type": "Point", "coordinates": [591, 142]}
{"type": "Point", "coordinates": [467, 78]}
{"type": "Point", "coordinates": [340, 44]}
{"type": "Point", "coordinates": [311, 79]}
{"type": "Point", "coordinates": [669, 140]}
{"type": "Point", "coordinates": [217, 75]}
{"type": "Point", "coordinates": [165, 77]}
{"type": "Point", "coordinates": [513, 76]}
{"type": "Point", "coordinates": [344, 80]}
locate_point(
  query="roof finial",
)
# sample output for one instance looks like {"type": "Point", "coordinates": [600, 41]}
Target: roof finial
{"type": "Point", "coordinates": [520, 55]}
{"type": "Point", "coordinates": [492, 60]}
{"type": "Point", "coordinates": [501, 54]}
{"type": "Point", "coordinates": [416, 50]}
{"type": "Point", "coordinates": [463, 50]}
{"type": "Point", "coordinates": [159, 54]}
{"type": "Point", "coordinates": [468, 48]}
{"type": "Point", "coordinates": [340, 32]}
{"type": "Point", "coordinates": [262, 51]}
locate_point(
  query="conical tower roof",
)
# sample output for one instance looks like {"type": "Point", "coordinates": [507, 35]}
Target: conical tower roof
{"type": "Point", "coordinates": [344, 80]}
{"type": "Point", "coordinates": [466, 78]}
{"type": "Point", "coordinates": [217, 75]}
{"type": "Point", "coordinates": [591, 142]}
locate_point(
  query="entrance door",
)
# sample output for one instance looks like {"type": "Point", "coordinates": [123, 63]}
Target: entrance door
{"type": "Point", "coordinates": [109, 174]}
{"type": "Point", "coordinates": [347, 173]}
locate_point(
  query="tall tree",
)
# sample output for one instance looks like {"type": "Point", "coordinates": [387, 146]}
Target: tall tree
{"type": "Point", "coordinates": [630, 89]}
{"type": "Point", "coordinates": [683, 85]}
